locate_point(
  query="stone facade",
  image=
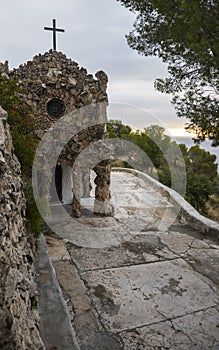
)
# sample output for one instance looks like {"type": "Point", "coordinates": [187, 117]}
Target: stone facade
{"type": "Point", "coordinates": [52, 75]}
{"type": "Point", "coordinates": [18, 320]}
{"type": "Point", "coordinates": [56, 87]}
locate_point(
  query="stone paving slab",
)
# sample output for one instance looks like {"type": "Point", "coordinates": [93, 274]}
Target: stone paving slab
{"type": "Point", "coordinates": [98, 306]}
{"type": "Point", "coordinates": [197, 331]}
{"type": "Point", "coordinates": [140, 249]}
{"type": "Point", "coordinates": [93, 259]}
{"type": "Point", "coordinates": [102, 232]}
{"type": "Point", "coordinates": [130, 285]}
{"type": "Point", "coordinates": [135, 296]}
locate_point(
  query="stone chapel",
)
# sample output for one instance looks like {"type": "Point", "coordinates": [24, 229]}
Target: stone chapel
{"type": "Point", "coordinates": [55, 85]}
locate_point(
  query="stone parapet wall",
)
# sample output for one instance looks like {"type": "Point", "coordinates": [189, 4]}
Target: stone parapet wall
{"type": "Point", "coordinates": [187, 213]}
{"type": "Point", "coordinates": [18, 320]}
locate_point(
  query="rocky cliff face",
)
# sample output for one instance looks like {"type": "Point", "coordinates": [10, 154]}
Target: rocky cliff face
{"type": "Point", "coordinates": [18, 319]}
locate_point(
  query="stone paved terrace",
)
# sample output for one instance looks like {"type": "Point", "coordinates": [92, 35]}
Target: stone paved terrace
{"type": "Point", "coordinates": [131, 282]}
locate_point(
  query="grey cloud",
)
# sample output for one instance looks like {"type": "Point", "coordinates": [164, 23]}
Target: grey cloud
{"type": "Point", "coordinates": [95, 38]}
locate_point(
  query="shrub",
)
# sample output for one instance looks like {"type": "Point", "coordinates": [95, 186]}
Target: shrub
{"type": "Point", "coordinates": [25, 143]}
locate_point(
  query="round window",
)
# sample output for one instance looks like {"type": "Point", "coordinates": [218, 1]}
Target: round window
{"type": "Point", "coordinates": [56, 108]}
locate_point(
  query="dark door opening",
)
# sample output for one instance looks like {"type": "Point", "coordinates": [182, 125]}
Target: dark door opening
{"type": "Point", "coordinates": [56, 184]}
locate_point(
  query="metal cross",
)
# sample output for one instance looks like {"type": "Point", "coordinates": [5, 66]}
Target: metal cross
{"type": "Point", "coordinates": [54, 29]}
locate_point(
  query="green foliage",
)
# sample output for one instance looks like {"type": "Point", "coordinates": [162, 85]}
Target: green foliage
{"type": "Point", "coordinates": [199, 188]}
{"type": "Point", "coordinates": [184, 34]}
{"type": "Point", "coordinates": [202, 162]}
{"type": "Point", "coordinates": [115, 128]}
{"type": "Point", "coordinates": [201, 177]}
{"type": "Point", "coordinates": [201, 169]}
{"type": "Point", "coordinates": [34, 302]}
{"type": "Point", "coordinates": [24, 142]}
{"type": "Point", "coordinates": [32, 214]}
{"type": "Point", "coordinates": [164, 176]}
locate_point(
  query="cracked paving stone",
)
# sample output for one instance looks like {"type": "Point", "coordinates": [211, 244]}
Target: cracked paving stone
{"type": "Point", "coordinates": [177, 242]}
{"type": "Point", "coordinates": [157, 336]}
{"type": "Point", "coordinates": [93, 259]}
{"type": "Point", "coordinates": [186, 230]}
{"type": "Point", "coordinates": [57, 249]}
{"type": "Point", "coordinates": [201, 327]}
{"type": "Point", "coordinates": [207, 265]}
{"type": "Point", "coordinates": [199, 244]}
{"type": "Point", "coordinates": [103, 341]}
{"type": "Point", "coordinates": [145, 294]}
{"type": "Point", "coordinates": [197, 331]}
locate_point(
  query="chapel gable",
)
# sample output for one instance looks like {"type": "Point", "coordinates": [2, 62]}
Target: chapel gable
{"type": "Point", "coordinates": [55, 86]}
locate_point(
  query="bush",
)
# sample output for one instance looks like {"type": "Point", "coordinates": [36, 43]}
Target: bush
{"type": "Point", "coordinates": [25, 143]}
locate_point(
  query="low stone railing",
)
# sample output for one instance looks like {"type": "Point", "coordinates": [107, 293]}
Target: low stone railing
{"type": "Point", "coordinates": [186, 212]}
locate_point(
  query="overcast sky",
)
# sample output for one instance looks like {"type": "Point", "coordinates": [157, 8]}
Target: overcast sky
{"type": "Point", "coordinates": [95, 38]}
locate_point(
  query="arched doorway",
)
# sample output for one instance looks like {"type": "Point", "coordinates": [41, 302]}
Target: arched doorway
{"type": "Point", "coordinates": [56, 184]}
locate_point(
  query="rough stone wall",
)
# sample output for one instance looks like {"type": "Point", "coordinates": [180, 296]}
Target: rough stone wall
{"type": "Point", "coordinates": [18, 321]}
{"type": "Point", "coordinates": [52, 75]}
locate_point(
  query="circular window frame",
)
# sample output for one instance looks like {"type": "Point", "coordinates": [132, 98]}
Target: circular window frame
{"type": "Point", "coordinates": [55, 108]}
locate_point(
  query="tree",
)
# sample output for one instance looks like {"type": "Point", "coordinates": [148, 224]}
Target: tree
{"type": "Point", "coordinates": [198, 191]}
{"type": "Point", "coordinates": [21, 123]}
{"type": "Point", "coordinates": [201, 177]}
{"type": "Point", "coordinates": [115, 128]}
{"type": "Point", "coordinates": [150, 140]}
{"type": "Point", "coordinates": [201, 169]}
{"type": "Point", "coordinates": [202, 162]}
{"type": "Point", "coordinates": [185, 35]}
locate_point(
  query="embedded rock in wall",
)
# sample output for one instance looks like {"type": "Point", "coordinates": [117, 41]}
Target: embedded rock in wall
{"type": "Point", "coordinates": [54, 78]}
{"type": "Point", "coordinates": [4, 68]}
{"type": "Point", "coordinates": [18, 321]}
